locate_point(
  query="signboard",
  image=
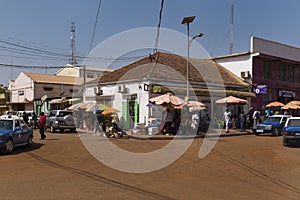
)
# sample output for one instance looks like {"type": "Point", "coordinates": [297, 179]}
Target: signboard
{"type": "Point", "coordinates": [286, 93]}
{"type": "Point", "coordinates": [261, 89]}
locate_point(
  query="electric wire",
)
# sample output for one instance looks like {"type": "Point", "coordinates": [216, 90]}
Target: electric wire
{"type": "Point", "coordinates": [95, 25]}
{"type": "Point", "coordinates": [158, 27]}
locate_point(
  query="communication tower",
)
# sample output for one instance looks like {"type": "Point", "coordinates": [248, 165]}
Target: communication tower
{"type": "Point", "coordinates": [72, 59]}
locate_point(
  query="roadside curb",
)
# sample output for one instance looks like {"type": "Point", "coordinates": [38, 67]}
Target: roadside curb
{"type": "Point", "coordinates": [181, 137]}
{"type": "Point", "coordinates": [214, 134]}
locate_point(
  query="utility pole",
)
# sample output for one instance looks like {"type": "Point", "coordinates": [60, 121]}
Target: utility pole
{"type": "Point", "coordinates": [72, 59]}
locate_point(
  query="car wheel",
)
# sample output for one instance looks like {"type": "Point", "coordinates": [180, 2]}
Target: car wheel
{"type": "Point", "coordinates": [29, 141]}
{"type": "Point", "coordinates": [276, 132]}
{"type": "Point", "coordinates": [9, 146]}
{"type": "Point", "coordinates": [52, 129]}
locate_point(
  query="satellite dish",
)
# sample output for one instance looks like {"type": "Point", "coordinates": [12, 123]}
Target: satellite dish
{"type": "Point", "coordinates": [44, 97]}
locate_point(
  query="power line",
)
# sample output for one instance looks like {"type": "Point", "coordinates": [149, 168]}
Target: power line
{"type": "Point", "coordinates": [95, 25]}
{"type": "Point", "coordinates": [33, 49]}
{"type": "Point", "coordinates": [158, 27]}
{"type": "Point", "coordinates": [30, 51]}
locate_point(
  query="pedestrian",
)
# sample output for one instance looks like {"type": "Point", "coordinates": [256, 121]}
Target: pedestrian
{"type": "Point", "coordinates": [42, 125]}
{"type": "Point", "coordinates": [25, 117]}
{"type": "Point", "coordinates": [98, 121]}
{"type": "Point", "coordinates": [169, 121]}
{"type": "Point", "coordinates": [243, 119]}
{"type": "Point", "coordinates": [34, 119]}
{"type": "Point", "coordinates": [227, 118]}
{"type": "Point", "coordinates": [256, 116]}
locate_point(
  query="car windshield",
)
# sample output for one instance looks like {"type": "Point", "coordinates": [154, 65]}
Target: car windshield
{"type": "Point", "coordinates": [294, 122]}
{"type": "Point", "coordinates": [6, 124]}
{"type": "Point", "coordinates": [273, 119]}
{"type": "Point", "coordinates": [64, 113]}
{"type": "Point", "coordinates": [11, 112]}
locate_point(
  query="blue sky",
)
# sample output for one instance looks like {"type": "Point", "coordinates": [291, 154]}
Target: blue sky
{"type": "Point", "coordinates": [46, 25]}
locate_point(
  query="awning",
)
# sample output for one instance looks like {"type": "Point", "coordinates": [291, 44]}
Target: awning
{"type": "Point", "coordinates": [62, 100]}
{"type": "Point", "coordinates": [75, 100]}
{"type": "Point", "coordinates": [203, 91]}
{"type": "Point", "coordinates": [56, 101]}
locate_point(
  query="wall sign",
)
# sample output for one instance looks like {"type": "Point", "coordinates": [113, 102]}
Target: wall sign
{"type": "Point", "coordinates": [261, 89]}
{"type": "Point", "coordinates": [286, 93]}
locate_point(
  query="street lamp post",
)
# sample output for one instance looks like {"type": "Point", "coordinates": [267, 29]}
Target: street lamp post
{"type": "Point", "coordinates": [187, 21]}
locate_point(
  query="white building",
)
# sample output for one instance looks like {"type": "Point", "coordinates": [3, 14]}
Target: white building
{"type": "Point", "coordinates": [37, 92]}
{"type": "Point", "coordinates": [129, 88]}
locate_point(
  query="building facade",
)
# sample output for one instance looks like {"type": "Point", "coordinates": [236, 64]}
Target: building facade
{"type": "Point", "coordinates": [42, 92]}
{"type": "Point", "coordinates": [272, 68]}
{"type": "Point", "coordinates": [129, 88]}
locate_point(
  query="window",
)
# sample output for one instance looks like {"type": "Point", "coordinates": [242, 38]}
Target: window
{"type": "Point", "coordinates": [281, 71]}
{"type": "Point", "coordinates": [291, 72]}
{"type": "Point", "coordinates": [89, 75]}
{"type": "Point", "coordinates": [48, 88]}
{"type": "Point", "coordinates": [267, 70]}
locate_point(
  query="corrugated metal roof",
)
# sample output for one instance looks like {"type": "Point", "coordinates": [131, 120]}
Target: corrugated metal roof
{"type": "Point", "coordinates": [48, 78]}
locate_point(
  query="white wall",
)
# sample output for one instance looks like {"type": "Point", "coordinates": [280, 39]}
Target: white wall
{"type": "Point", "coordinates": [22, 84]}
{"type": "Point", "coordinates": [236, 64]}
{"type": "Point", "coordinates": [119, 98]}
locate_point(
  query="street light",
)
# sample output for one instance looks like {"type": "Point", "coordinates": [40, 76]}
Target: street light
{"type": "Point", "coordinates": [187, 21]}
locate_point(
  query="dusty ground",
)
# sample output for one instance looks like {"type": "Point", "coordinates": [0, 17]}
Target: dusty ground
{"type": "Point", "coordinates": [239, 167]}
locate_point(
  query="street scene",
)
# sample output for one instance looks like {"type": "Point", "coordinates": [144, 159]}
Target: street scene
{"type": "Point", "coordinates": [150, 100]}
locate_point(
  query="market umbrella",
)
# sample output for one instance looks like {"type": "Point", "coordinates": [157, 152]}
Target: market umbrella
{"type": "Point", "coordinates": [167, 98]}
{"type": "Point", "coordinates": [74, 106]}
{"type": "Point", "coordinates": [195, 104]}
{"type": "Point", "coordinates": [275, 104]}
{"type": "Point", "coordinates": [231, 100]}
{"type": "Point", "coordinates": [96, 106]}
{"type": "Point", "coordinates": [291, 105]}
{"type": "Point", "coordinates": [110, 110]}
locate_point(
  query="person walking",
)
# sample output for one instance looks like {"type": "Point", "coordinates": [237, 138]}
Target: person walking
{"type": "Point", "coordinates": [25, 117]}
{"type": "Point", "coordinates": [169, 121]}
{"type": "Point", "coordinates": [227, 118]}
{"type": "Point", "coordinates": [243, 119]}
{"type": "Point", "coordinates": [98, 122]}
{"type": "Point", "coordinates": [34, 119]}
{"type": "Point", "coordinates": [256, 116]}
{"type": "Point", "coordinates": [42, 125]}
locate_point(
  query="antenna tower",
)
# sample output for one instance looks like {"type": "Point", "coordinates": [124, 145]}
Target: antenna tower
{"type": "Point", "coordinates": [231, 27]}
{"type": "Point", "coordinates": [72, 59]}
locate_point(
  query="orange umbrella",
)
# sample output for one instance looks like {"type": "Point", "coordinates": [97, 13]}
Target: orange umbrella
{"type": "Point", "coordinates": [291, 105]}
{"type": "Point", "coordinates": [231, 100]}
{"type": "Point", "coordinates": [275, 104]}
{"type": "Point", "coordinates": [167, 98]}
{"type": "Point", "coordinates": [110, 110]}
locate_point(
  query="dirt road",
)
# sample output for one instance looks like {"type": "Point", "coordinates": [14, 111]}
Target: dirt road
{"type": "Point", "coordinates": [240, 167]}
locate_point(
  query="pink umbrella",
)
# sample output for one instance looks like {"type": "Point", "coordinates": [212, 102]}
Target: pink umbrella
{"type": "Point", "coordinates": [167, 98]}
{"type": "Point", "coordinates": [231, 100]}
{"type": "Point", "coordinates": [195, 104]}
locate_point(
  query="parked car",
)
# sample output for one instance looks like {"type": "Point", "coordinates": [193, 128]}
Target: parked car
{"type": "Point", "coordinates": [14, 132]}
{"type": "Point", "coordinates": [291, 132]}
{"type": "Point", "coordinates": [61, 120]}
{"type": "Point", "coordinates": [10, 113]}
{"type": "Point", "coordinates": [273, 124]}
{"type": "Point", "coordinates": [29, 115]}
